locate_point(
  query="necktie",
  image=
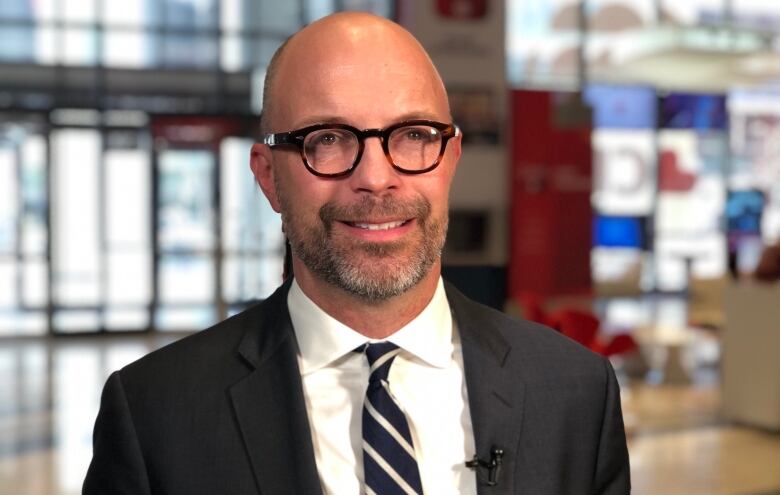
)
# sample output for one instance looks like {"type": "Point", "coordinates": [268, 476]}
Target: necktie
{"type": "Point", "coordinates": [388, 450]}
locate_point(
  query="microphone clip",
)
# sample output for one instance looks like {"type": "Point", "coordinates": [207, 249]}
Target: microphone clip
{"type": "Point", "coordinates": [493, 466]}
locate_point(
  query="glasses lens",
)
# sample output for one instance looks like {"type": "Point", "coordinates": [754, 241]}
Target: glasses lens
{"type": "Point", "coordinates": [330, 151]}
{"type": "Point", "coordinates": [415, 147]}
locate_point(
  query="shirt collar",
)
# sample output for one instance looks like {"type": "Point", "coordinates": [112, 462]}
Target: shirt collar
{"type": "Point", "coordinates": [322, 339]}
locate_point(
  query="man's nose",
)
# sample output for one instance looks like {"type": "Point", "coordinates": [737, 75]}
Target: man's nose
{"type": "Point", "coordinates": [374, 173]}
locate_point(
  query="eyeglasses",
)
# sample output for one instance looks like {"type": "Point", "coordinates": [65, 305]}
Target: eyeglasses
{"type": "Point", "coordinates": [334, 150]}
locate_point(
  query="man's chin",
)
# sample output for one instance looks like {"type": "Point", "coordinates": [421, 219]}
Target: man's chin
{"type": "Point", "coordinates": [381, 278]}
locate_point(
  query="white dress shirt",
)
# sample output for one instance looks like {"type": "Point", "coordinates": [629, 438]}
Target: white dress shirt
{"type": "Point", "coordinates": [426, 378]}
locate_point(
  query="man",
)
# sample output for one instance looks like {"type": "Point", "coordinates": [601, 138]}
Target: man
{"type": "Point", "coordinates": [364, 373]}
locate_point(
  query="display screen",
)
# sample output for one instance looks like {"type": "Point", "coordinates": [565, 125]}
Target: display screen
{"type": "Point", "coordinates": [624, 171]}
{"type": "Point", "coordinates": [694, 111]}
{"type": "Point", "coordinates": [618, 231]}
{"type": "Point", "coordinates": [743, 211]}
{"type": "Point", "coordinates": [622, 107]}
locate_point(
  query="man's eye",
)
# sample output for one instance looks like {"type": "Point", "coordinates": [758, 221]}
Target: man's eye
{"type": "Point", "coordinates": [418, 134]}
{"type": "Point", "coordinates": [327, 139]}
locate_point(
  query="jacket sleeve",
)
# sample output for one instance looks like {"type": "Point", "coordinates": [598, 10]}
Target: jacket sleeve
{"type": "Point", "coordinates": [613, 476]}
{"type": "Point", "coordinates": [117, 465]}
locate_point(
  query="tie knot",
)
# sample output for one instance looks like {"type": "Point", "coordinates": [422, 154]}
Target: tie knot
{"type": "Point", "coordinates": [380, 356]}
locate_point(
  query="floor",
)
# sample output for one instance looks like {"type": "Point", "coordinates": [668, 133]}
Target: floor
{"type": "Point", "coordinates": [678, 442]}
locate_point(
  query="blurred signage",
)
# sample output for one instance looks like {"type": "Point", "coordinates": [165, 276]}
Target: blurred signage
{"type": "Point", "coordinates": [462, 9]}
{"type": "Point", "coordinates": [197, 130]}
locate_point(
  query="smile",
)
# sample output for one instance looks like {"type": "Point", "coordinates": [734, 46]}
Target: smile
{"type": "Point", "coordinates": [378, 226]}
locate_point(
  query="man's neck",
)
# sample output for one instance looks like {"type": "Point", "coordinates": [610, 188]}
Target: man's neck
{"type": "Point", "coordinates": [375, 320]}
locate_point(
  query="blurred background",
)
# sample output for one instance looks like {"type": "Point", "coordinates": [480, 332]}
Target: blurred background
{"type": "Point", "coordinates": [620, 182]}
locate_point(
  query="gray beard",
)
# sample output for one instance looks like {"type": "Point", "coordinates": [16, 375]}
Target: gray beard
{"type": "Point", "coordinates": [374, 272]}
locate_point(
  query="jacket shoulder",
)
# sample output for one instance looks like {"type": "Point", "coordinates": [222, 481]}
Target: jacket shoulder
{"type": "Point", "coordinates": [535, 343]}
{"type": "Point", "coordinates": [217, 350]}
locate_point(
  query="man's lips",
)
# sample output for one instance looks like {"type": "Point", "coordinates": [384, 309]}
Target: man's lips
{"type": "Point", "coordinates": [371, 225]}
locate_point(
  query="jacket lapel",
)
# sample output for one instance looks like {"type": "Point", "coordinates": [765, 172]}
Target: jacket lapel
{"type": "Point", "coordinates": [496, 395]}
{"type": "Point", "coordinates": [269, 405]}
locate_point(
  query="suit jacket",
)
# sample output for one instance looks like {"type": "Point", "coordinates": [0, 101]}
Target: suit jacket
{"type": "Point", "coordinates": [223, 411]}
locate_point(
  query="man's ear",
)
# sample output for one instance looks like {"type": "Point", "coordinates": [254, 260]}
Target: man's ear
{"type": "Point", "coordinates": [260, 162]}
{"type": "Point", "coordinates": [454, 150]}
{"type": "Point", "coordinates": [456, 146]}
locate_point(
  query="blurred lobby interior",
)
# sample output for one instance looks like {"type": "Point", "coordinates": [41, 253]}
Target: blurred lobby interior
{"type": "Point", "coordinates": [620, 182]}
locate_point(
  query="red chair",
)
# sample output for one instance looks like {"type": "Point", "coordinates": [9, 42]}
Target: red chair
{"type": "Point", "coordinates": [583, 327]}
{"type": "Point", "coordinates": [622, 343]}
{"type": "Point", "coordinates": [532, 307]}
{"type": "Point", "coordinates": [580, 326]}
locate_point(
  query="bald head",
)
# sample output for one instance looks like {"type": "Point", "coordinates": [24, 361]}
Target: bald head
{"type": "Point", "coordinates": [346, 46]}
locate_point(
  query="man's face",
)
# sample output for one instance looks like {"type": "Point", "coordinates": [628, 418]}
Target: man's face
{"type": "Point", "coordinates": [377, 232]}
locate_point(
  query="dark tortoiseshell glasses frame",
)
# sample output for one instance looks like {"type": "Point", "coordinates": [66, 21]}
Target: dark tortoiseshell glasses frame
{"type": "Point", "coordinates": [298, 137]}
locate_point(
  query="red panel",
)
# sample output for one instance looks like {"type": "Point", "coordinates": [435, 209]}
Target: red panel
{"type": "Point", "coordinates": [671, 178]}
{"type": "Point", "coordinates": [462, 9]}
{"type": "Point", "coordinates": [550, 214]}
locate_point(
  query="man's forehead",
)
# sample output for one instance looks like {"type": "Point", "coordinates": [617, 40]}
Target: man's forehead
{"type": "Point", "coordinates": [342, 93]}
{"type": "Point", "coordinates": [341, 67]}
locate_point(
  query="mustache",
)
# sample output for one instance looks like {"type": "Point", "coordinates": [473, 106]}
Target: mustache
{"type": "Point", "coordinates": [369, 206]}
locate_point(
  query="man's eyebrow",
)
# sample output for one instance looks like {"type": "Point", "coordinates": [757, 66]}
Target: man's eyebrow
{"type": "Point", "coordinates": [336, 119]}
{"type": "Point", "coordinates": [321, 119]}
{"type": "Point", "coordinates": [418, 116]}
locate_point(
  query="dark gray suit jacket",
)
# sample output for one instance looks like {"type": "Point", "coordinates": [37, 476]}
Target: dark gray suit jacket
{"type": "Point", "coordinates": [223, 411]}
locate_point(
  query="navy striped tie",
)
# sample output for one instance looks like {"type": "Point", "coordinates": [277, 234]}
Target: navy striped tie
{"type": "Point", "coordinates": [388, 450]}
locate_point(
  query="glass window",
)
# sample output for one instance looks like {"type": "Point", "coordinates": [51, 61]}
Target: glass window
{"type": "Point", "coordinates": [16, 9]}
{"type": "Point", "coordinates": [259, 52]}
{"type": "Point", "coordinates": [230, 12]}
{"type": "Point", "coordinates": [128, 200]}
{"type": "Point", "coordinates": [129, 278]}
{"type": "Point", "coordinates": [127, 13]}
{"type": "Point", "coordinates": [125, 319]}
{"type": "Point", "coordinates": [13, 322]}
{"type": "Point", "coordinates": [76, 321]}
{"type": "Point", "coordinates": [23, 269]}
{"type": "Point", "coordinates": [78, 46]}
{"type": "Point", "coordinates": [34, 283]}
{"type": "Point", "coordinates": [186, 279]}
{"type": "Point", "coordinates": [251, 277]}
{"type": "Point", "coordinates": [75, 209]}
{"type": "Point", "coordinates": [315, 9]}
{"type": "Point", "coordinates": [130, 49]}
{"type": "Point", "coordinates": [34, 200]}
{"type": "Point", "coordinates": [248, 221]}
{"type": "Point", "coordinates": [277, 18]}
{"type": "Point", "coordinates": [378, 7]}
{"type": "Point", "coordinates": [17, 43]}
{"type": "Point", "coordinates": [44, 10]}
{"type": "Point", "coordinates": [190, 13]}
{"type": "Point", "coordinates": [9, 295]}
{"type": "Point", "coordinates": [185, 318]}
{"type": "Point", "coordinates": [189, 50]}
{"type": "Point", "coordinates": [252, 237]}
{"type": "Point", "coordinates": [232, 53]}
{"type": "Point", "coordinates": [46, 45]}
{"type": "Point", "coordinates": [78, 10]}
{"type": "Point", "coordinates": [186, 199]}
{"type": "Point", "coordinates": [9, 199]}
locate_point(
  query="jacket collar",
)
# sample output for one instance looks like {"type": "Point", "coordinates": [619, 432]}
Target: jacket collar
{"type": "Point", "coordinates": [496, 393]}
{"type": "Point", "coordinates": [269, 403]}
{"type": "Point", "coordinates": [271, 411]}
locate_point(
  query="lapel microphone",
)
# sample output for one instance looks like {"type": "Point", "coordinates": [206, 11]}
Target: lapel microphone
{"type": "Point", "coordinates": [493, 466]}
